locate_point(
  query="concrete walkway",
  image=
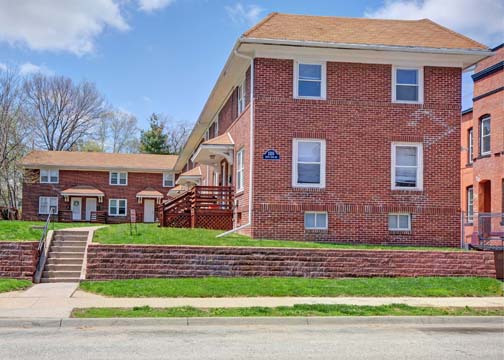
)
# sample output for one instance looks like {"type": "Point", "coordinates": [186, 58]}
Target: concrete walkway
{"type": "Point", "coordinates": [56, 300]}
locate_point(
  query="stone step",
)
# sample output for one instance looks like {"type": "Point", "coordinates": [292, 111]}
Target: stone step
{"type": "Point", "coordinates": [61, 274]}
{"type": "Point", "coordinates": [67, 255]}
{"type": "Point", "coordinates": [70, 237]}
{"type": "Point", "coordinates": [62, 279]}
{"type": "Point", "coordinates": [63, 267]}
{"type": "Point", "coordinates": [68, 243]}
{"type": "Point", "coordinates": [64, 261]}
{"type": "Point", "coordinates": [70, 232]}
{"type": "Point", "coordinates": [66, 248]}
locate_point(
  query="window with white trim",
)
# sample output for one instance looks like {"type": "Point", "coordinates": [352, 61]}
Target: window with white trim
{"type": "Point", "coordinates": [118, 178]}
{"type": "Point", "coordinates": [470, 204]}
{"type": "Point", "coordinates": [470, 146]}
{"type": "Point", "coordinates": [240, 169]}
{"type": "Point", "coordinates": [485, 135]}
{"type": "Point", "coordinates": [399, 222]}
{"type": "Point", "coordinates": [48, 204]}
{"type": "Point", "coordinates": [407, 85]}
{"type": "Point", "coordinates": [407, 166]}
{"type": "Point", "coordinates": [168, 180]}
{"type": "Point", "coordinates": [242, 93]}
{"type": "Point", "coordinates": [308, 163]}
{"type": "Point", "coordinates": [309, 80]}
{"type": "Point", "coordinates": [117, 207]}
{"type": "Point", "coordinates": [49, 176]}
{"type": "Point", "coordinates": [315, 220]}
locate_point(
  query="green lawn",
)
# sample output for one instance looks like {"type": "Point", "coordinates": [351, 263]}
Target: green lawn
{"type": "Point", "coordinates": [22, 230]}
{"type": "Point", "coordinates": [153, 235]}
{"type": "Point", "coordinates": [296, 310]}
{"type": "Point", "coordinates": [13, 284]}
{"type": "Point", "coordinates": [251, 287]}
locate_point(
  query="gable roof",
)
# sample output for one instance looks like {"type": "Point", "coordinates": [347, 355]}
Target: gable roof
{"type": "Point", "coordinates": [99, 160]}
{"type": "Point", "coordinates": [327, 29]}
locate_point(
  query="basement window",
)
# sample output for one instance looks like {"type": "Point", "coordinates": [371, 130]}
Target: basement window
{"type": "Point", "coordinates": [399, 222]}
{"type": "Point", "coordinates": [315, 220]}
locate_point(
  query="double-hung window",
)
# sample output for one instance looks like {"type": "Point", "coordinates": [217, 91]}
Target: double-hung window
{"type": "Point", "coordinates": [315, 220]}
{"type": "Point", "coordinates": [240, 169]}
{"type": "Point", "coordinates": [407, 166]}
{"type": "Point", "coordinates": [399, 222]}
{"type": "Point", "coordinates": [168, 179]}
{"type": "Point", "coordinates": [242, 93]}
{"type": "Point", "coordinates": [118, 178]}
{"type": "Point", "coordinates": [470, 146]}
{"type": "Point", "coordinates": [117, 207]}
{"type": "Point", "coordinates": [309, 80]}
{"type": "Point", "coordinates": [49, 176]}
{"type": "Point", "coordinates": [407, 85]}
{"type": "Point", "coordinates": [470, 204]}
{"type": "Point", "coordinates": [485, 136]}
{"type": "Point", "coordinates": [308, 163]}
{"type": "Point", "coordinates": [48, 204]}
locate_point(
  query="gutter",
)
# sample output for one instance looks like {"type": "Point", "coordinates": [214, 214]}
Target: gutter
{"type": "Point", "coordinates": [251, 151]}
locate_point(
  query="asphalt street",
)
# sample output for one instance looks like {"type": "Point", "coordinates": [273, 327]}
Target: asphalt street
{"type": "Point", "coordinates": [358, 341]}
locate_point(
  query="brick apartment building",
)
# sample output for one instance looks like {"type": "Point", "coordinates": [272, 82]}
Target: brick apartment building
{"type": "Point", "coordinates": [335, 129]}
{"type": "Point", "coordinates": [482, 137]}
{"type": "Point", "coordinates": [79, 186]}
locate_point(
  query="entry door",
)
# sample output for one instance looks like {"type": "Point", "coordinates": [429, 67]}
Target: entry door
{"type": "Point", "coordinates": [90, 206]}
{"type": "Point", "coordinates": [76, 209]}
{"type": "Point", "coordinates": [149, 210]}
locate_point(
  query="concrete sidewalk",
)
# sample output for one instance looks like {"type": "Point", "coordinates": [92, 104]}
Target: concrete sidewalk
{"type": "Point", "coordinates": [56, 300]}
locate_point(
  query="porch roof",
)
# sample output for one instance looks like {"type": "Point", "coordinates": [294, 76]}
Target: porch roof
{"type": "Point", "coordinates": [177, 190]}
{"type": "Point", "coordinates": [149, 193]}
{"type": "Point", "coordinates": [192, 176]}
{"type": "Point", "coordinates": [213, 151]}
{"type": "Point", "coordinates": [83, 190]}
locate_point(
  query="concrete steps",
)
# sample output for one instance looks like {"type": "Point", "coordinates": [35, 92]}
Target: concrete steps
{"type": "Point", "coordinates": [65, 258]}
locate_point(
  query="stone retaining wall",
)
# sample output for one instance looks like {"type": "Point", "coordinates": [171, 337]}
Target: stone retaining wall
{"type": "Point", "coordinates": [132, 261]}
{"type": "Point", "coordinates": [18, 260]}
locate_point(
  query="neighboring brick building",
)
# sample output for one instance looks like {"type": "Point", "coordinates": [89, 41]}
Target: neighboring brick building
{"type": "Point", "coordinates": [338, 129]}
{"type": "Point", "coordinates": [482, 155]}
{"type": "Point", "coordinates": [81, 185]}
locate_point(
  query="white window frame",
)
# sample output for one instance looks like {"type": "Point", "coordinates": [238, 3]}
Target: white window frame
{"type": "Point", "coordinates": [48, 199]}
{"type": "Point", "coordinates": [240, 170]}
{"type": "Point", "coordinates": [316, 227]}
{"type": "Point", "coordinates": [323, 80]}
{"type": "Point", "coordinates": [242, 96]}
{"type": "Point", "coordinates": [470, 147]}
{"type": "Point", "coordinates": [420, 166]}
{"type": "Point", "coordinates": [118, 178]}
{"type": "Point", "coordinates": [482, 120]}
{"type": "Point", "coordinates": [397, 222]}
{"type": "Point", "coordinates": [216, 127]}
{"type": "Point", "coordinates": [49, 172]}
{"type": "Point", "coordinates": [470, 204]}
{"type": "Point", "coordinates": [117, 207]}
{"type": "Point", "coordinates": [165, 178]}
{"type": "Point", "coordinates": [295, 153]}
{"type": "Point", "coordinates": [420, 78]}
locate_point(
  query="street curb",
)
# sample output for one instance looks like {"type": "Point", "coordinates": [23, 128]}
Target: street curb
{"type": "Point", "coordinates": [472, 321]}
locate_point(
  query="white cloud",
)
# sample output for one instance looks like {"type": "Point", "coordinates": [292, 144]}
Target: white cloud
{"type": "Point", "coordinates": [58, 25]}
{"type": "Point", "coordinates": [249, 14]}
{"type": "Point", "coordinates": [28, 68]}
{"type": "Point", "coordinates": [146, 99]}
{"type": "Point", "coordinates": [482, 20]}
{"type": "Point", "coordinates": [151, 5]}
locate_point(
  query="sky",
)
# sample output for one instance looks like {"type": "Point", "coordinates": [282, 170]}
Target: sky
{"type": "Point", "coordinates": [164, 56]}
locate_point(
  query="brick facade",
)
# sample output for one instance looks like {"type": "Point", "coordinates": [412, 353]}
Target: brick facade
{"type": "Point", "coordinates": [18, 260]}
{"type": "Point", "coordinates": [33, 189]}
{"type": "Point", "coordinates": [106, 262]}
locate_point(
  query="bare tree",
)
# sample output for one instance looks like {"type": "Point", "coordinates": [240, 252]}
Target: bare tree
{"type": "Point", "coordinates": [63, 112]}
{"type": "Point", "coordinates": [177, 136]}
{"type": "Point", "coordinates": [123, 132]}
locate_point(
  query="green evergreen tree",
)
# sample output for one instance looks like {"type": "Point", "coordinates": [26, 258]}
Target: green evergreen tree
{"type": "Point", "coordinates": [154, 140]}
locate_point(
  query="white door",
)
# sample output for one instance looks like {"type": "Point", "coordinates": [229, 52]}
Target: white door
{"type": "Point", "coordinates": [76, 209]}
{"type": "Point", "coordinates": [149, 210]}
{"type": "Point", "coordinates": [90, 206]}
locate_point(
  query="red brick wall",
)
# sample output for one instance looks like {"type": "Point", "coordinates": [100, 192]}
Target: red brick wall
{"type": "Point", "coordinates": [131, 261]}
{"type": "Point", "coordinates": [98, 179]}
{"type": "Point", "coordinates": [18, 260]}
{"type": "Point", "coordinates": [358, 122]}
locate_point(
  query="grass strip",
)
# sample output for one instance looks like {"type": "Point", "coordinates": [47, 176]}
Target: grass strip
{"type": "Point", "coordinates": [23, 230]}
{"type": "Point", "coordinates": [13, 284]}
{"type": "Point", "coordinates": [286, 311]}
{"type": "Point", "coordinates": [284, 286]}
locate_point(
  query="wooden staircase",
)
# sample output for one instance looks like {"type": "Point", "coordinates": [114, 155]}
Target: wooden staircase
{"type": "Point", "coordinates": [65, 257]}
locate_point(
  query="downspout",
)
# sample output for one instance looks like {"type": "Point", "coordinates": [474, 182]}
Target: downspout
{"type": "Point", "coordinates": [251, 151]}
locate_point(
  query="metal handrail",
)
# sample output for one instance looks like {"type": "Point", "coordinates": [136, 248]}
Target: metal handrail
{"type": "Point", "coordinates": [42, 243]}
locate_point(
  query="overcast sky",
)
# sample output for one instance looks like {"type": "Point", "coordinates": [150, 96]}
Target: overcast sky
{"type": "Point", "coordinates": [164, 55]}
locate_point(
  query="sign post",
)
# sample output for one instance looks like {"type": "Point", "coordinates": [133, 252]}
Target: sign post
{"type": "Point", "coordinates": [133, 220]}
